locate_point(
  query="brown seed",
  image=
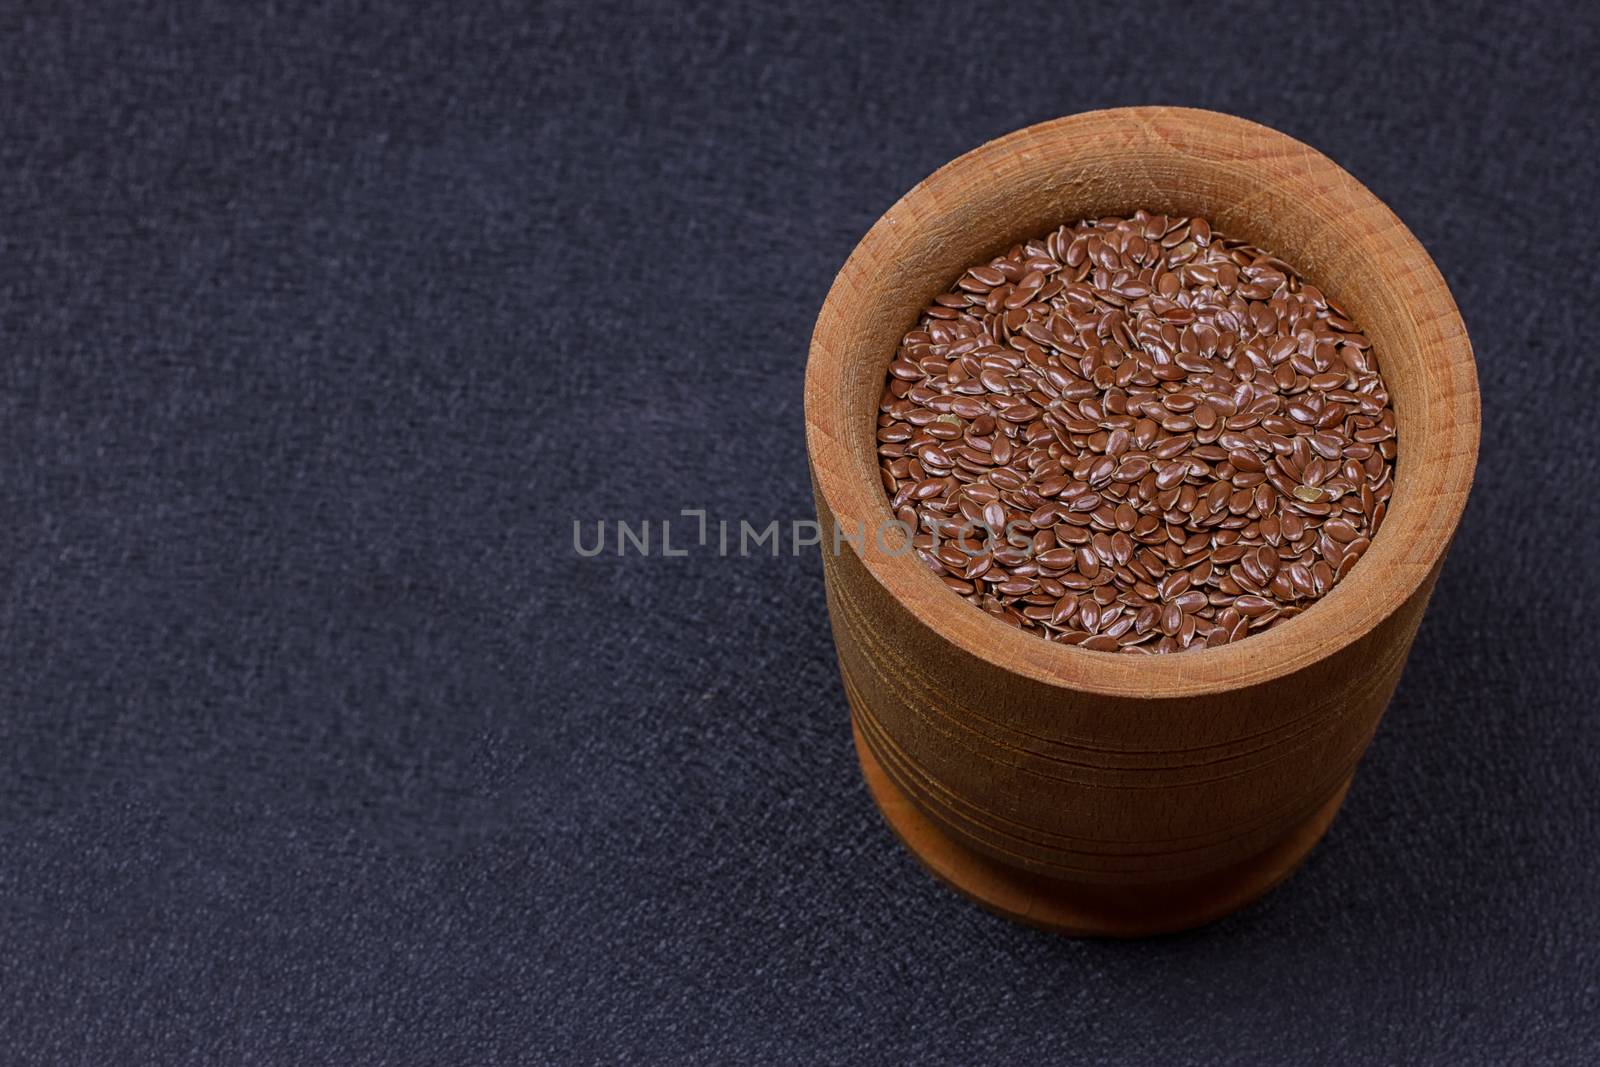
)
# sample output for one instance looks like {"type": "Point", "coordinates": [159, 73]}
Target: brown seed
{"type": "Point", "coordinates": [994, 381]}
{"type": "Point", "coordinates": [1065, 608]}
{"type": "Point", "coordinates": [1173, 446]}
{"type": "Point", "coordinates": [1057, 558]}
{"type": "Point", "coordinates": [1322, 576]}
{"type": "Point", "coordinates": [1340, 530]}
{"type": "Point", "coordinates": [1300, 577]}
{"type": "Point", "coordinates": [1166, 419]}
{"type": "Point", "coordinates": [1132, 469]}
{"type": "Point", "coordinates": [1246, 460]}
{"type": "Point", "coordinates": [1252, 606]}
{"type": "Point", "coordinates": [987, 277]}
{"type": "Point", "coordinates": [1170, 474]}
{"type": "Point", "coordinates": [1186, 630]}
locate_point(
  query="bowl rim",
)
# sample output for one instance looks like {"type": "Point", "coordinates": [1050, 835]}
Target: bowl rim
{"type": "Point", "coordinates": [1368, 596]}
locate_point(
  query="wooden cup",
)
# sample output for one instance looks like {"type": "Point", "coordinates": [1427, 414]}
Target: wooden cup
{"type": "Point", "coordinates": [1090, 792]}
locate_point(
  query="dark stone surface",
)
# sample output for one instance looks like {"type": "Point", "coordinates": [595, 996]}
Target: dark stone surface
{"type": "Point", "coordinates": [318, 744]}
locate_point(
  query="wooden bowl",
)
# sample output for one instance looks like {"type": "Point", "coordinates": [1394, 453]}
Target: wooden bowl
{"type": "Point", "coordinates": [1091, 792]}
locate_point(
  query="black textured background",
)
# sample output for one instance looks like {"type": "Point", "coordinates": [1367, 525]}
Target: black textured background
{"type": "Point", "coordinates": [318, 745]}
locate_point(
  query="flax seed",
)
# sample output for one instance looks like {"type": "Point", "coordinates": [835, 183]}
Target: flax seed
{"type": "Point", "coordinates": [1137, 435]}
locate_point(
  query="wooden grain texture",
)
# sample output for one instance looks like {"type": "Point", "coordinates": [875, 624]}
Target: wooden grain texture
{"type": "Point", "coordinates": [1128, 794]}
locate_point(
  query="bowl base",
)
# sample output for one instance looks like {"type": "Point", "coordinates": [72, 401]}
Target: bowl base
{"type": "Point", "coordinates": [1082, 910]}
